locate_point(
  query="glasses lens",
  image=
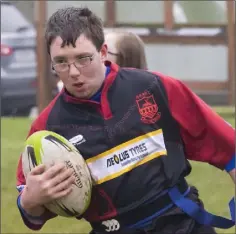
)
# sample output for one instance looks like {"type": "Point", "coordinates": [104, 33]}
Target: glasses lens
{"type": "Point", "coordinates": [61, 67]}
{"type": "Point", "coordinates": [82, 62]}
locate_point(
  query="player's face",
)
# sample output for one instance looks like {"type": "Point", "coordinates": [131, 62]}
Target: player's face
{"type": "Point", "coordinates": [81, 68]}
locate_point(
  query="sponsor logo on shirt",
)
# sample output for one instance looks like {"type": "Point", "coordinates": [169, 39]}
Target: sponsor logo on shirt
{"type": "Point", "coordinates": [127, 156]}
{"type": "Point", "coordinates": [77, 140]}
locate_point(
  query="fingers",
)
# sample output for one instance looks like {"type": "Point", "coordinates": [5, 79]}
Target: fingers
{"type": "Point", "coordinates": [63, 193]}
{"type": "Point", "coordinates": [38, 170]}
{"type": "Point", "coordinates": [53, 171]}
{"type": "Point", "coordinates": [65, 185]}
{"type": "Point", "coordinates": [61, 189]}
{"type": "Point", "coordinates": [62, 176]}
{"type": "Point", "coordinates": [53, 183]}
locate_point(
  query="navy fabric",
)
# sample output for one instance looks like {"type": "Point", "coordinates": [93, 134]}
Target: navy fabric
{"type": "Point", "coordinates": [145, 222]}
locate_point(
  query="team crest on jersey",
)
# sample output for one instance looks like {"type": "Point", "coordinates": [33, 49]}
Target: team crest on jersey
{"type": "Point", "coordinates": [148, 108]}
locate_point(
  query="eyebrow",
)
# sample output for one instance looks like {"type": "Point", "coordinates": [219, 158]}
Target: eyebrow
{"type": "Point", "coordinates": [85, 54]}
{"type": "Point", "coordinates": [59, 57]}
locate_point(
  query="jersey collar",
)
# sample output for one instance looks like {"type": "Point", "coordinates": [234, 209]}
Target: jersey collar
{"type": "Point", "coordinates": [105, 107]}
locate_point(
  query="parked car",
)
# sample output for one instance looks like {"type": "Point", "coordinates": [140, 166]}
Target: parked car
{"type": "Point", "coordinates": [18, 61]}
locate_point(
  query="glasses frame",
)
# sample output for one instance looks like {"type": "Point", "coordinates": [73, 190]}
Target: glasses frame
{"type": "Point", "coordinates": [55, 66]}
{"type": "Point", "coordinates": [112, 53]}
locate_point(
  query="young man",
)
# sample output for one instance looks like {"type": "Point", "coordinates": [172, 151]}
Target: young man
{"type": "Point", "coordinates": [126, 49]}
{"type": "Point", "coordinates": [139, 129]}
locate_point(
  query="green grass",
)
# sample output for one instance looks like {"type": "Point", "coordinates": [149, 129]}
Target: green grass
{"type": "Point", "coordinates": [216, 187]}
{"type": "Point", "coordinates": [225, 111]}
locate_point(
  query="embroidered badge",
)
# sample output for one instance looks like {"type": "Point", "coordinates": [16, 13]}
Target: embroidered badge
{"type": "Point", "coordinates": [148, 108]}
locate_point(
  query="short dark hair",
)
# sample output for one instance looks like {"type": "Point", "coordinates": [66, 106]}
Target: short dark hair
{"type": "Point", "coordinates": [70, 22]}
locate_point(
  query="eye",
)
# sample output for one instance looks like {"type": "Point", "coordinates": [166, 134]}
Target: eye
{"type": "Point", "coordinates": [83, 60]}
{"type": "Point", "coordinates": [82, 57]}
{"type": "Point", "coordinates": [60, 61]}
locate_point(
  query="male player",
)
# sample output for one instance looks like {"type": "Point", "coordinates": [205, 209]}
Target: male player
{"type": "Point", "coordinates": [139, 130]}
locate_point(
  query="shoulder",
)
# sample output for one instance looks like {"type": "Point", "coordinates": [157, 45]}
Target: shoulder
{"type": "Point", "coordinates": [141, 75]}
{"type": "Point", "coordinates": [136, 74]}
{"type": "Point", "coordinates": [41, 121]}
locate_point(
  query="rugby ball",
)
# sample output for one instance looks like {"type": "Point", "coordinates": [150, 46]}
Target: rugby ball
{"type": "Point", "coordinates": [46, 147]}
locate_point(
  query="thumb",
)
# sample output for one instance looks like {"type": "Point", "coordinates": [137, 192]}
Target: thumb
{"type": "Point", "coordinates": [38, 170]}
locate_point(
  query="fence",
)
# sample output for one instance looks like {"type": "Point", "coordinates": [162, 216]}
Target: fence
{"type": "Point", "coordinates": [202, 29]}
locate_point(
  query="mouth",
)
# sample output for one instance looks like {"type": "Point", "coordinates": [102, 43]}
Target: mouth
{"type": "Point", "coordinates": [79, 85]}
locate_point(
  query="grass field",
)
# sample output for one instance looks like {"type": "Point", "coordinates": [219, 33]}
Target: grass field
{"type": "Point", "coordinates": [216, 187]}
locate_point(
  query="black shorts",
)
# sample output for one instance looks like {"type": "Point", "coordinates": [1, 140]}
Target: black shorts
{"type": "Point", "coordinates": [178, 225]}
{"type": "Point", "coordinates": [198, 229]}
{"type": "Point", "coordinates": [184, 228]}
{"type": "Point", "coordinates": [173, 221]}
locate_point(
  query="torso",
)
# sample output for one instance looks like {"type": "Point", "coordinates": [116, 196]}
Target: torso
{"type": "Point", "coordinates": [126, 153]}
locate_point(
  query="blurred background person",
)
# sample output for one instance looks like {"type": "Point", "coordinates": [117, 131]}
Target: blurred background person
{"type": "Point", "coordinates": [126, 49]}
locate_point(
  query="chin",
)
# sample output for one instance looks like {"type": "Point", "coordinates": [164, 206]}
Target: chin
{"type": "Point", "coordinates": [82, 95]}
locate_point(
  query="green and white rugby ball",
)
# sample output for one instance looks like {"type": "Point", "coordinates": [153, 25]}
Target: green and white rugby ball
{"type": "Point", "coordinates": [46, 147]}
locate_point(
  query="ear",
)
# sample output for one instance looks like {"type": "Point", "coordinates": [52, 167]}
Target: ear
{"type": "Point", "coordinates": [103, 52]}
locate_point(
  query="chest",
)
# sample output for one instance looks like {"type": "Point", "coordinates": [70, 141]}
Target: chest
{"type": "Point", "coordinates": [93, 135]}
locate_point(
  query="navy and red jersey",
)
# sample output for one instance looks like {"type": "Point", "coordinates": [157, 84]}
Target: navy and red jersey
{"type": "Point", "coordinates": [138, 139]}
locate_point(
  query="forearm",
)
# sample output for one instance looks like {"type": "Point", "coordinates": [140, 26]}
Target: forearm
{"type": "Point", "coordinates": [32, 222]}
{"type": "Point", "coordinates": [33, 217]}
{"type": "Point", "coordinates": [29, 208]}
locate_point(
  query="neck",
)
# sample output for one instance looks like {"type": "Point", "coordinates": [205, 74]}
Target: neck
{"type": "Point", "coordinates": [104, 71]}
{"type": "Point", "coordinates": [102, 80]}
{"type": "Point", "coordinates": [103, 75]}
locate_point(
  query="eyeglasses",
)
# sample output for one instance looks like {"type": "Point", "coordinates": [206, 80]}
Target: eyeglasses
{"type": "Point", "coordinates": [112, 53]}
{"type": "Point", "coordinates": [78, 63]}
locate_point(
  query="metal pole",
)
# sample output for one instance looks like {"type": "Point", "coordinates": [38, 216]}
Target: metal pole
{"type": "Point", "coordinates": [110, 13]}
{"type": "Point", "coordinates": [42, 92]}
{"type": "Point", "coordinates": [231, 50]}
{"type": "Point", "coordinates": [168, 14]}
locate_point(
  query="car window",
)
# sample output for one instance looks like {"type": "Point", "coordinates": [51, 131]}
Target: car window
{"type": "Point", "coordinates": [12, 20]}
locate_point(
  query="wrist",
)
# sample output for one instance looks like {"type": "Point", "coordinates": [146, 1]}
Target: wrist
{"type": "Point", "coordinates": [29, 207]}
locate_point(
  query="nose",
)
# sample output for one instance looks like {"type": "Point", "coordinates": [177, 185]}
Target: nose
{"type": "Point", "coordinates": [74, 72]}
